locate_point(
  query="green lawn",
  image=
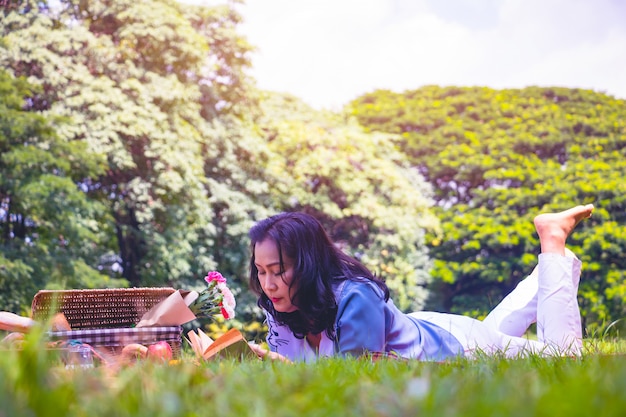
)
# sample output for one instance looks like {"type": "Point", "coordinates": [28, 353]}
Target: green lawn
{"type": "Point", "coordinates": [34, 383]}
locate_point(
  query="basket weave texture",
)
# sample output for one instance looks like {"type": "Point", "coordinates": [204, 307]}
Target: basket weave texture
{"type": "Point", "coordinates": [106, 317]}
{"type": "Point", "coordinates": [98, 308]}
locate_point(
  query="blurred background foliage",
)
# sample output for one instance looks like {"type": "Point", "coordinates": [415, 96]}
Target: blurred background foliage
{"type": "Point", "coordinates": [136, 151]}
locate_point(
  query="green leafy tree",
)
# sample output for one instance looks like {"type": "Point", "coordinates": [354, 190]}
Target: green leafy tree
{"type": "Point", "coordinates": [48, 236]}
{"type": "Point", "coordinates": [358, 185]}
{"type": "Point", "coordinates": [496, 158]}
{"type": "Point", "coordinates": [158, 88]}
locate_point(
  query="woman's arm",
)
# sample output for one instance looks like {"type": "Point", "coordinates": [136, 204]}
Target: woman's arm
{"type": "Point", "coordinates": [13, 323]}
{"type": "Point", "coordinates": [360, 322]}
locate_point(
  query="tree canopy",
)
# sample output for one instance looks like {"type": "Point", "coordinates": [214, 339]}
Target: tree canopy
{"type": "Point", "coordinates": [154, 91]}
{"type": "Point", "coordinates": [362, 189]}
{"type": "Point", "coordinates": [496, 158]}
{"type": "Point", "coordinates": [48, 233]}
{"type": "Point", "coordinates": [180, 154]}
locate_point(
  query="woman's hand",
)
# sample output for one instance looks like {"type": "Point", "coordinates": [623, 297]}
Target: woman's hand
{"type": "Point", "coordinates": [11, 322]}
{"type": "Point", "coordinates": [266, 354]}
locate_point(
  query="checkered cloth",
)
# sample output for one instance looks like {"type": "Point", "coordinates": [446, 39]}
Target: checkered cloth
{"type": "Point", "coordinates": [121, 336]}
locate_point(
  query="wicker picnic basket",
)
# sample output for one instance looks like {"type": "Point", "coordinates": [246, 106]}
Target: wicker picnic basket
{"type": "Point", "coordinates": [105, 318]}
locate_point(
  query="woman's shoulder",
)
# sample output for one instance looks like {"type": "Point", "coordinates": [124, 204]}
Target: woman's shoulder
{"type": "Point", "coordinates": [359, 287]}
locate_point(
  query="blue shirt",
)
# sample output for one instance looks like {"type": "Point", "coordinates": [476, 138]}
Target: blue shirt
{"type": "Point", "coordinates": [366, 323]}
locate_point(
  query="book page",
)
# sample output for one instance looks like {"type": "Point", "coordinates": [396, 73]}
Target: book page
{"type": "Point", "coordinates": [231, 345]}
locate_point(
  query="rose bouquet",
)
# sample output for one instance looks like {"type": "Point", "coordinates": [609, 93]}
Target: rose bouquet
{"type": "Point", "coordinates": [215, 299]}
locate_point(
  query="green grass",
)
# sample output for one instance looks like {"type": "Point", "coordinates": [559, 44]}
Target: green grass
{"type": "Point", "coordinates": [33, 382]}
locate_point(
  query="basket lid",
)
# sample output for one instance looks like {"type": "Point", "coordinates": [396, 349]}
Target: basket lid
{"type": "Point", "coordinates": [98, 308]}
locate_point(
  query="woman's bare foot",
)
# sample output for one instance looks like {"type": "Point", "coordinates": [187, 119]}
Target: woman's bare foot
{"type": "Point", "coordinates": [554, 228]}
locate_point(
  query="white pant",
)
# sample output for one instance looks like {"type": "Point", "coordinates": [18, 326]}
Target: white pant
{"type": "Point", "coordinates": [547, 296]}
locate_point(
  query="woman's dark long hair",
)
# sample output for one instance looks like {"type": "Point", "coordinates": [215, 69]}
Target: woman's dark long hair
{"type": "Point", "coordinates": [317, 263]}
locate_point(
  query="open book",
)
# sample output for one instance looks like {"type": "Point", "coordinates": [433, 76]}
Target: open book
{"type": "Point", "coordinates": [231, 345]}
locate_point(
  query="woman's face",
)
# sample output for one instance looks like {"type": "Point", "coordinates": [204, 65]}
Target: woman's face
{"type": "Point", "coordinates": [273, 279]}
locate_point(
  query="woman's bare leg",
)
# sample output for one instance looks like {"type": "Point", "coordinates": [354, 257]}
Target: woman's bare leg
{"type": "Point", "coordinates": [518, 310]}
{"type": "Point", "coordinates": [558, 316]}
{"type": "Point", "coordinates": [554, 228]}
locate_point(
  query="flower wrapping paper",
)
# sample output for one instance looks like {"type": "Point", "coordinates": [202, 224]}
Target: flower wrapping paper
{"type": "Point", "coordinates": [172, 311]}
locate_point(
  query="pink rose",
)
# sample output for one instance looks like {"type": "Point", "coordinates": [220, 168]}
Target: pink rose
{"type": "Point", "coordinates": [214, 276]}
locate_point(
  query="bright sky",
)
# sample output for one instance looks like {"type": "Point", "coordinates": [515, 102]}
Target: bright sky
{"type": "Point", "coordinates": [328, 52]}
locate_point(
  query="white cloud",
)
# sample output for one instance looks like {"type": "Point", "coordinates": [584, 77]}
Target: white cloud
{"type": "Point", "coordinates": [565, 43]}
{"type": "Point", "coordinates": [328, 52]}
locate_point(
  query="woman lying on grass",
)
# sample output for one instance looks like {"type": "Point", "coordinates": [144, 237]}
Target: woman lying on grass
{"type": "Point", "coordinates": [321, 302]}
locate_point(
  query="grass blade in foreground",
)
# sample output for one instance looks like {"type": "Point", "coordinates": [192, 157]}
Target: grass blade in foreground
{"type": "Point", "coordinates": [32, 383]}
